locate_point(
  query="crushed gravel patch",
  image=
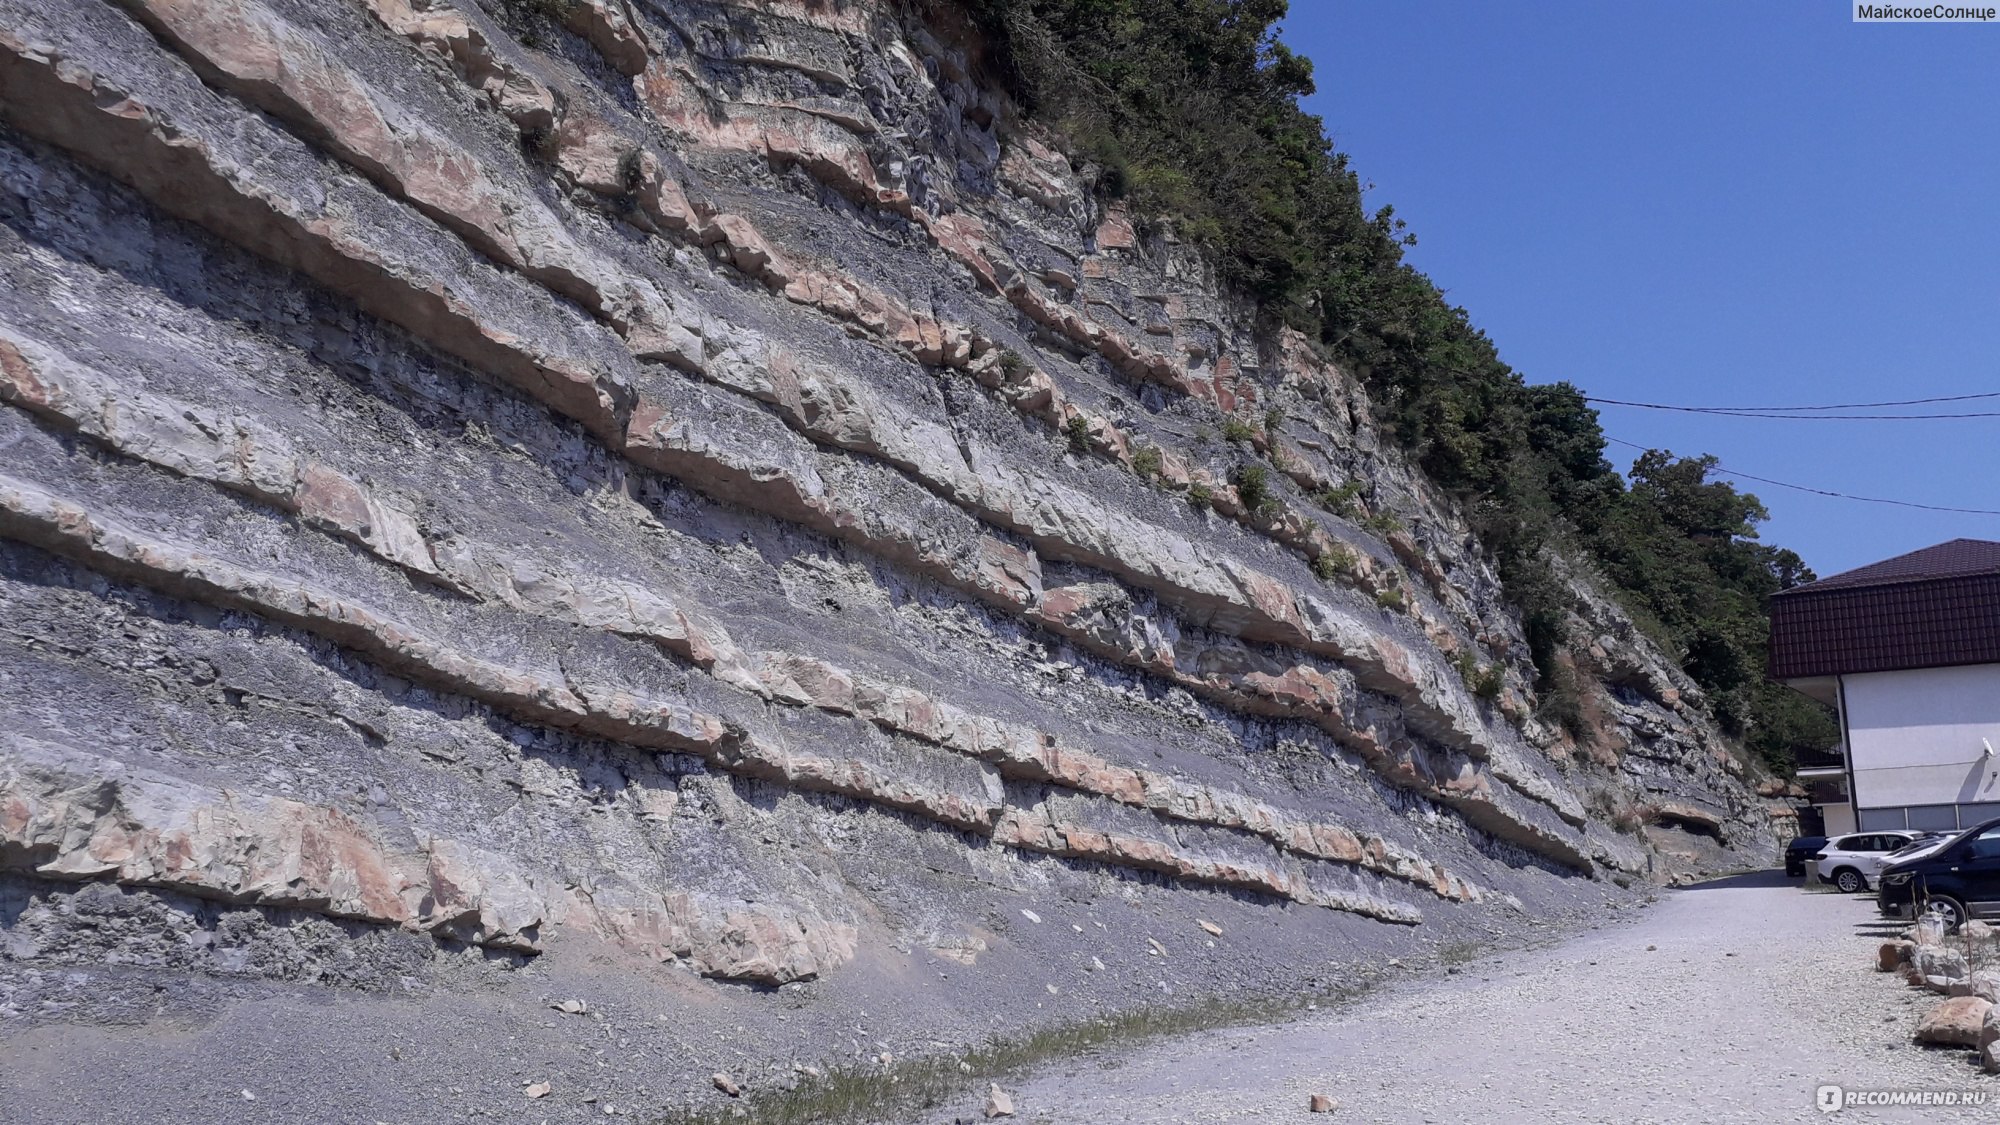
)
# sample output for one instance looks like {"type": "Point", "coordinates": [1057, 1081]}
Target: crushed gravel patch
{"type": "Point", "coordinates": [1729, 1001]}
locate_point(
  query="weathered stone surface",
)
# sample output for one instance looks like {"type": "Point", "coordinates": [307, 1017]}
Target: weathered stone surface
{"type": "Point", "coordinates": [614, 484]}
{"type": "Point", "coordinates": [1955, 1023]}
{"type": "Point", "coordinates": [1892, 954]}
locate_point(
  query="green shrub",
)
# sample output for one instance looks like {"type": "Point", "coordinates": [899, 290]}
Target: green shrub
{"type": "Point", "coordinates": [1273, 418]}
{"type": "Point", "coordinates": [1146, 461]}
{"type": "Point", "coordinates": [1390, 598]}
{"type": "Point", "coordinates": [1011, 364]}
{"type": "Point", "coordinates": [1200, 497]}
{"type": "Point", "coordinates": [1334, 562]}
{"type": "Point", "coordinates": [1253, 488]}
{"type": "Point", "coordinates": [1383, 523]}
{"type": "Point", "coordinates": [1236, 430]}
{"type": "Point", "coordinates": [1488, 683]}
{"type": "Point", "coordinates": [1077, 430]}
{"type": "Point", "coordinates": [1340, 500]}
{"type": "Point", "coordinates": [1484, 682]}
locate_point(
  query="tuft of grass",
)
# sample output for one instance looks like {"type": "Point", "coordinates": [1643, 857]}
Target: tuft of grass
{"type": "Point", "coordinates": [1253, 487]}
{"type": "Point", "coordinates": [538, 144]}
{"type": "Point", "coordinates": [1484, 681]}
{"type": "Point", "coordinates": [869, 1093]}
{"type": "Point", "coordinates": [1200, 498]}
{"type": "Point", "coordinates": [1383, 523]}
{"type": "Point", "coordinates": [1489, 682]}
{"type": "Point", "coordinates": [1273, 418]}
{"type": "Point", "coordinates": [1235, 429]}
{"type": "Point", "coordinates": [1146, 461]}
{"type": "Point", "coordinates": [1390, 598]}
{"type": "Point", "coordinates": [1334, 562]}
{"type": "Point", "coordinates": [1011, 364]}
{"type": "Point", "coordinates": [1077, 430]}
{"type": "Point", "coordinates": [1340, 500]}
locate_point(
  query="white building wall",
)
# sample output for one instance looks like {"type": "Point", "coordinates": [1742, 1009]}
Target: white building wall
{"type": "Point", "coordinates": [1918, 737]}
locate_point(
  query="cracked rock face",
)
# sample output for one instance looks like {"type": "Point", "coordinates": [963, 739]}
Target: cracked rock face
{"type": "Point", "coordinates": [685, 488]}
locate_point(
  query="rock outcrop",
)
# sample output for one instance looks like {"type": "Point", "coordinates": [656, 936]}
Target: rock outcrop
{"type": "Point", "coordinates": [701, 485]}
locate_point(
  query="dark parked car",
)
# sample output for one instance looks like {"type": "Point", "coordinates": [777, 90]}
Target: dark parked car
{"type": "Point", "coordinates": [1800, 851]}
{"type": "Point", "coordinates": [1960, 880]}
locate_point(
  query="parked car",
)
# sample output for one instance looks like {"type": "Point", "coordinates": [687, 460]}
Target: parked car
{"type": "Point", "coordinates": [1800, 851]}
{"type": "Point", "coordinates": [1960, 878]}
{"type": "Point", "coordinates": [1850, 861]}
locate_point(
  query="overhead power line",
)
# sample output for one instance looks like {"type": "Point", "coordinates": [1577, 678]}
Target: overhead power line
{"type": "Point", "coordinates": [1823, 406]}
{"type": "Point", "coordinates": [1725, 471]}
{"type": "Point", "coordinates": [1794, 413]}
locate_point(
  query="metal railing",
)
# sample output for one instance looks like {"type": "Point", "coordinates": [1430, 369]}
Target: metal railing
{"type": "Point", "coordinates": [1819, 759]}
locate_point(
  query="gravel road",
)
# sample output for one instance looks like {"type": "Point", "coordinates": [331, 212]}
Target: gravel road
{"type": "Point", "coordinates": [1728, 1001]}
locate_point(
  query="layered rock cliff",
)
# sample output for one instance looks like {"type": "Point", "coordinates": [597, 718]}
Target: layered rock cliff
{"type": "Point", "coordinates": [643, 499]}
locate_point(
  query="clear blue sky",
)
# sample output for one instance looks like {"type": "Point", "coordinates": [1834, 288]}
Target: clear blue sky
{"type": "Point", "coordinates": [1707, 203]}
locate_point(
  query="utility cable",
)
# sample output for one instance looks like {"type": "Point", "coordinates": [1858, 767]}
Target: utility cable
{"type": "Point", "coordinates": [1823, 491]}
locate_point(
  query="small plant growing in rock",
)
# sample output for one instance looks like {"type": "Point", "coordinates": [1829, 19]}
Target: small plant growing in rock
{"type": "Point", "coordinates": [1146, 461]}
{"type": "Point", "coordinates": [1273, 418]}
{"type": "Point", "coordinates": [1077, 430]}
{"type": "Point", "coordinates": [1339, 499]}
{"type": "Point", "coordinates": [1200, 497]}
{"type": "Point", "coordinates": [1235, 429]}
{"type": "Point", "coordinates": [1383, 523]}
{"type": "Point", "coordinates": [1334, 562]}
{"type": "Point", "coordinates": [538, 143]}
{"type": "Point", "coordinates": [1011, 364]}
{"type": "Point", "coordinates": [1253, 488]}
{"type": "Point", "coordinates": [1484, 681]}
{"type": "Point", "coordinates": [632, 172]}
{"type": "Point", "coordinates": [1488, 684]}
{"type": "Point", "coordinates": [1390, 598]}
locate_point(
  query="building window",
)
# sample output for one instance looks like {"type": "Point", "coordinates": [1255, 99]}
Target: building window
{"type": "Point", "coordinates": [1934, 818]}
{"type": "Point", "coordinates": [1969, 815]}
{"type": "Point", "coordinates": [1878, 820]}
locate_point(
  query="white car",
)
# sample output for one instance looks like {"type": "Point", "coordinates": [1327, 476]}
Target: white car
{"type": "Point", "coordinates": [1851, 862]}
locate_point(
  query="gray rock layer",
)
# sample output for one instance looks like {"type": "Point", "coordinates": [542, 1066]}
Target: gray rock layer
{"type": "Point", "coordinates": [686, 489]}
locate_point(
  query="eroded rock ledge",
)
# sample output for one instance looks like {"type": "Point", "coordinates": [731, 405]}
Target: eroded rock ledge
{"type": "Point", "coordinates": [739, 486]}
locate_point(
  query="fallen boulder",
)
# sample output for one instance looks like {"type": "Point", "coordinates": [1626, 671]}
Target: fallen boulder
{"type": "Point", "coordinates": [1957, 1022]}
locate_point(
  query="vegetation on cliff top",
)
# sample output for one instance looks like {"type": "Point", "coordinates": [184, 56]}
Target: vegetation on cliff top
{"type": "Point", "coordinates": [1190, 109]}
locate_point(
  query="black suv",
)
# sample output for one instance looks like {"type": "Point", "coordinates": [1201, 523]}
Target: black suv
{"type": "Point", "coordinates": [1800, 851]}
{"type": "Point", "coordinates": [1959, 880]}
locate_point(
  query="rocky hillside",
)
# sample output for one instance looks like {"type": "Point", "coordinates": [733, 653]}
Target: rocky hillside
{"type": "Point", "coordinates": [693, 513]}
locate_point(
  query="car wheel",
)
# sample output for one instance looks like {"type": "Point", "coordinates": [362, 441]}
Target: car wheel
{"type": "Point", "coordinates": [1849, 881]}
{"type": "Point", "coordinates": [1952, 910]}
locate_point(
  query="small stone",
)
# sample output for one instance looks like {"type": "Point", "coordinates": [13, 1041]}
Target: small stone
{"type": "Point", "coordinates": [1212, 929]}
{"type": "Point", "coordinates": [537, 1090]}
{"type": "Point", "coordinates": [1321, 1103]}
{"type": "Point", "coordinates": [1031, 915]}
{"type": "Point", "coordinates": [725, 1084]}
{"type": "Point", "coordinates": [248, 1096]}
{"type": "Point", "coordinates": [570, 1007]}
{"type": "Point", "coordinates": [1651, 948]}
{"type": "Point", "coordinates": [998, 1104]}
{"type": "Point", "coordinates": [1095, 966]}
{"type": "Point", "coordinates": [1156, 949]}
